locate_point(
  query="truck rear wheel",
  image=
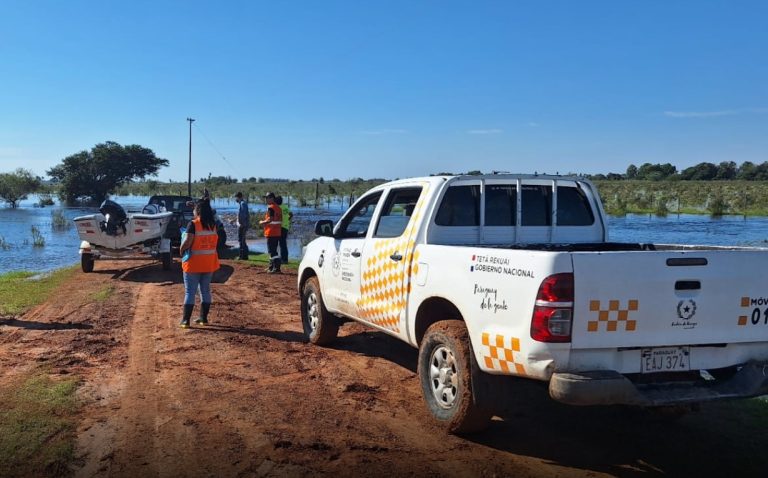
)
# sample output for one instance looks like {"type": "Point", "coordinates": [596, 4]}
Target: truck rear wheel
{"type": "Point", "coordinates": [86, 262]}
{"type": "Point", "coordinates": [445, 373]}
{"type": "Point", "coordinates": [320, 326]}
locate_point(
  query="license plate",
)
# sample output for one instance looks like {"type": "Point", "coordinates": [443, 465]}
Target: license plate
{"type": "Point", "coordinates": [665, 359]}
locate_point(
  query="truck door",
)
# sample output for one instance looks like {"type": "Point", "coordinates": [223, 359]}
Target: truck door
{"type": "Point", "coordinates": [342, 279]}
{"type": "Point", "coordinates": [387, 258]}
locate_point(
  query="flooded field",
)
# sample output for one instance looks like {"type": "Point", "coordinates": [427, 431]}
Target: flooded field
{"type": "Point", "coordinates": [18, 252]}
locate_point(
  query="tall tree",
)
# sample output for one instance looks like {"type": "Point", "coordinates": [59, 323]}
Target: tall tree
{"type": "Point", "coordinates": [96, 173]}
{"type": "Point", "coordinates": [17, 185]}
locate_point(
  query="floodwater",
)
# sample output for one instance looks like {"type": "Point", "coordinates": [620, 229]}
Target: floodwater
{"type": "Point", "coordinates": [61, 247]}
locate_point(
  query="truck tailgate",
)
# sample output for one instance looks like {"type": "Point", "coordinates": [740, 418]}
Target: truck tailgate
{"type": "Point", "coordinates": [667, 298]}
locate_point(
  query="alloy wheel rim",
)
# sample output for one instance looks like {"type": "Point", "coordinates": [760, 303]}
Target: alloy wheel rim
{"type": "Point", "coordinates": [443, 376]}
{"type": "Point", "coordinates": [312, 311]}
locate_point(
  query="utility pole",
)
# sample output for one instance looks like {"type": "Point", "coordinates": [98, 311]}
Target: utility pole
{"type": "Point", "coordinates": [189, 177]}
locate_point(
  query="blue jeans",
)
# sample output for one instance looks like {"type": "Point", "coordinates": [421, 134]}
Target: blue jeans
{"type": "Point", "coordinates": [191, 283]}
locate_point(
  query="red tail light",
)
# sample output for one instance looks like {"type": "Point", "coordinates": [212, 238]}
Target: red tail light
{"type": "Point", "coordinates": [552, 314]}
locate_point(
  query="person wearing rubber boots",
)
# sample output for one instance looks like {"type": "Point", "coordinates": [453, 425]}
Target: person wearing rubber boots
{"type": "Point", "coordinates": [200, 263]}
{"type": "Point", "coordinates": [287, 216]}
{"type": "Point", "coordinates": [243, 224]}
{"type": "Point", "coordinates": [272, 224]}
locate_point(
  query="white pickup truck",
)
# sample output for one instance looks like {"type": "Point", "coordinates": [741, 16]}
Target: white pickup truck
{"type": "Point", "coordinates": [514, 276]}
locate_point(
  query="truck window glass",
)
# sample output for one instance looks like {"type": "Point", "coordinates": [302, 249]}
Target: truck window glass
{"type": "Point", "coordinates": [397, 212]}
{"type": "Point", "coordinates": [460, 207]}
{"type": "Point", "coordinates": [573, 207]}
{"type": "Point", "coordinates": [356, 222]}
{"type": "Point", "coordinates": [537, 205]}
{"type": "Point", "coordinates": [500, 205]}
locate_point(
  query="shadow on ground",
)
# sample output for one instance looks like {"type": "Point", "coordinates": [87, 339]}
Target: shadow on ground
{"type": "Point", "coordinates": [35, 325]}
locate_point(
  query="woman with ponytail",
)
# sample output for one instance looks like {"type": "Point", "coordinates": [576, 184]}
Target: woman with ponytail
{"type": "Point", "coordinates": [201, 262]}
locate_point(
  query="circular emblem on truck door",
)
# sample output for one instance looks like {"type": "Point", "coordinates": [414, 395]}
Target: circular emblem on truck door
{"type": "Point", "coordinates": [686, 309]}
{"type": "Point", "coordinates": [336, 264]}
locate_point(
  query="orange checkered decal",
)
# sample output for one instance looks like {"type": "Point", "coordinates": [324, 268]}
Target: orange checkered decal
{"type": "Point", "coordinates": [744, 303]}
{"type": "Point", "coordinates": [613, 316]}
{"type": "Point", "coordinates": [384, 285]}
{"type": "Point", "coordinates": [499, 357]}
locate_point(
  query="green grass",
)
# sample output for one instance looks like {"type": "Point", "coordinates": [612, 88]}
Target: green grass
{"type": "Point", "coordinates": [19, 291]}
{"type": "Point", "coordinates": [749, 198]}
{"type": "Point", "coordinates": [258, 259]}
{"type": "Point", "coordinates": [37, 426]}
{"type": "Point", "coordinates": [104, 293]}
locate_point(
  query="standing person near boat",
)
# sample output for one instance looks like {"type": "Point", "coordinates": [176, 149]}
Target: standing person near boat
{"type": "Point", "coordinates": [201, 262]}
{"type": "Point", "coordinates": [285, 209]}
{"type": "Point", "coordinates": [243, 223]}
{"type": "Point", "coordinates": [273, 224]}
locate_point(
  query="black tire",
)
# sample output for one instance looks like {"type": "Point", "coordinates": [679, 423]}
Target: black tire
{"type": "Point", "coordinates": [166, 258]}
{"type": "Point", "coordinates": [86, 262]}
{"type": "Point", "coordinates": [446, 343]}
{"type": "Point", "coordinates": [320, 326]}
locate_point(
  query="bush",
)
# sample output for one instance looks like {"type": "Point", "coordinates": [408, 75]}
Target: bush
{"type": "Point", "coordinates": [37, 239]}
{"type": "Point", "coordinates": [59, 221]}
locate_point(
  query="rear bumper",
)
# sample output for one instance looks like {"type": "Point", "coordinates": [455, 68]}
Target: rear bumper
{"type": "Point", "coordinates": [607, 387]}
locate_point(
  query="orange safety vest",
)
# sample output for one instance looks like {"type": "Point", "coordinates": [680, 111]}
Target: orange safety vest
{"type": "Point", "coordinates": [202, 255]}
{"type": "Point", "coordinates": [274, 227]}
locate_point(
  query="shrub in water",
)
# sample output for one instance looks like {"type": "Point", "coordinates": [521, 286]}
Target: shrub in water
{"type": "Point", "coordinates": [59, 222]}
{"type": "Point", "coordinates": [37, 239]}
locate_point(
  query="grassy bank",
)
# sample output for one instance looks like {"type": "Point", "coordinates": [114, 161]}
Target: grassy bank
{"type": "Point", "coordinates": [257, 258]}
{"type": "Point", "coordinates": [715, 198]}
{"type": "Point", "coordinates": [37, 426]}
{"type": "Point", "coordinates": [620, 197]}
{"type": "Point", "coordinates": [20, 291]}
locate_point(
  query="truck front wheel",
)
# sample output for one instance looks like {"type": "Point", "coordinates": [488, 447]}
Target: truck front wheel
{"type": "Point", "coordinates": [320, 326]}
{"type": "Point", "coordinates": [445, 373]}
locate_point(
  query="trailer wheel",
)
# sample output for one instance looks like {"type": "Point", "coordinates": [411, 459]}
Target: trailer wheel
{"type": "Point", "coordinates": [320, 326]}
{"type": "Point", "coordinates": [86, 262]}
{"type": "Point", "coordinates": [166, 258]}
{"type": "Point", "coordinates": [445, 373]}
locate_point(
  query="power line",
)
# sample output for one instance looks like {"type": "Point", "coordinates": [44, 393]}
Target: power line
{"type": "Point", "coordinates": [215, 148]}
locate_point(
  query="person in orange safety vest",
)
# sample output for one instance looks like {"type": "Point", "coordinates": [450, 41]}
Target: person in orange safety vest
{"type": "Point", "coordinates": [273, 224]}
{"type": "Point", "coordinates": [201, 261]}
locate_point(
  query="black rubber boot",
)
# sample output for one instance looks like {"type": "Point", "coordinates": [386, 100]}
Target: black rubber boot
{"type": "Point", "coordinates": [204, 309]}
{"type": "Point", "coordinates": [188, 308]}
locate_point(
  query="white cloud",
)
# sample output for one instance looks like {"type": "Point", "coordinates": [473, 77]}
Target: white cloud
{"type": "Point", "coordinates": [485, 131]}
{"type": "Point", "coordinates": [713, 114]}
{"type": "Point", "coordinates": [383, 131]}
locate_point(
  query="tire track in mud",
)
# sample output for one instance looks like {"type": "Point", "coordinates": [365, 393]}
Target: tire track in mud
{"type": "Point", "coordinates": [132, 440]}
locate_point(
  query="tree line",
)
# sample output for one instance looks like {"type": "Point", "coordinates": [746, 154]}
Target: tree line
{"type": "Point", "coordinates": [110, 168]}
{"type": "Point", "coordinates": [725, 171]}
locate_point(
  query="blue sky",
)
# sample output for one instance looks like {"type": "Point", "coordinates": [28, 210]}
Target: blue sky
{"type": "Point", "coordinates": [303, 89]}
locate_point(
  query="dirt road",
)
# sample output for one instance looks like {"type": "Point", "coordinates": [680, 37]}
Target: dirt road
{"type": "Point", "coordinates": [247, 396]}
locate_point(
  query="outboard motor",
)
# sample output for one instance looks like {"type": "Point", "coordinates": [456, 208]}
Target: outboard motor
{"type": "Point", "coordinates": [115, 218]}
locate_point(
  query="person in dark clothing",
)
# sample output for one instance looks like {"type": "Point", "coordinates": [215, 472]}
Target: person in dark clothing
{"type": "Point", "coordinates": [243, 223]}
{"type": "Point", "coordinates": [287, 216]}
{"type": "Point", "coordinates": [272, 223]}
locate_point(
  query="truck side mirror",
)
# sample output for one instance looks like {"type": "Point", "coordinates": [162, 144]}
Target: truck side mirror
{"type": "Point", "coordinates": [324, 228]}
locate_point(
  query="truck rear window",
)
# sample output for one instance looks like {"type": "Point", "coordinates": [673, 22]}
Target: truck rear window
{"type": "Point", "coordinates": [537, 205]}
{"type": "Point", "coordinates": [573, 207]}
{"type": "Point", "coordinates": [500, 205]}
{"type": "Point", "coordinates": [460, 207]}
